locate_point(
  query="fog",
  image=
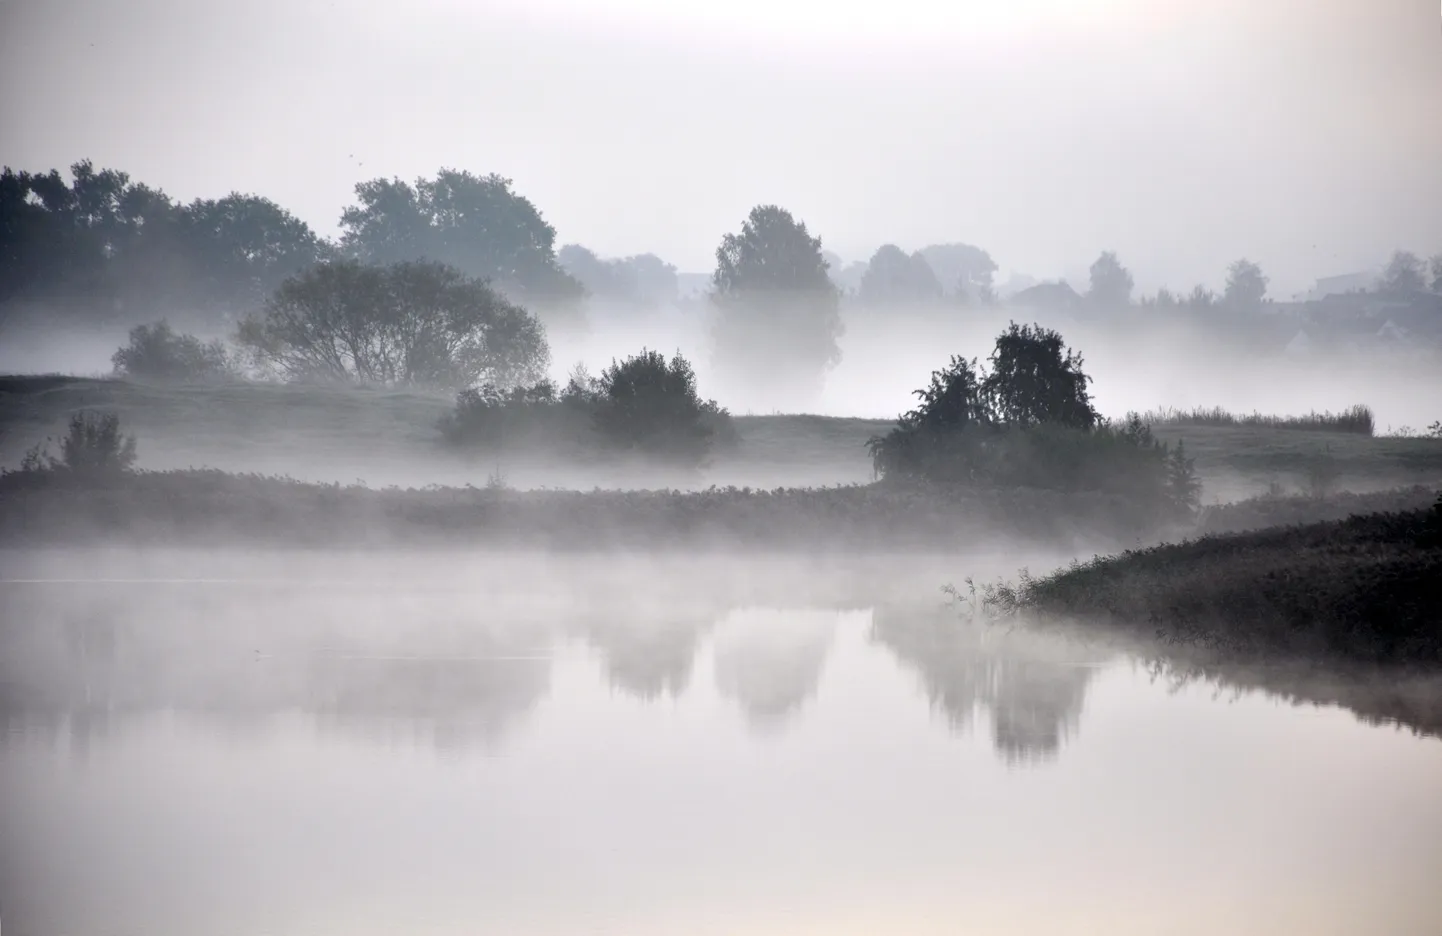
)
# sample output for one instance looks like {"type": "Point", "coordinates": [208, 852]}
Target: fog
{"type": "Point", "coordinates": [245, 739]}
{"type": "Point", "coordinates": [514, 466]}
{"type": "Point", "coordinates": [1182, 134]}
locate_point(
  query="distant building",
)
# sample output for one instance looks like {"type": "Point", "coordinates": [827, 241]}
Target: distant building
{"type": "Point", "coordinates": [1050, 296]}
{"type": "Point", "coordinates": [1342, 285]}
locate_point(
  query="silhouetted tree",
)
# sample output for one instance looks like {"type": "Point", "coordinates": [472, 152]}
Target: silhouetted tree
{"type": "Point", "coordinates": [778, 312]}
{"type": "Point", "coordinates": [414, 323]}
{"type": "Point", "coordinates": [1404, 276]}
{"type": "Point", "coordinates": [1111, 283]}
{"type": "Point", "coordinates": [1035, 378]}
{"type": "Point", "coordinates": [1246, 285]}
{"type": "Point", "coordinates": [894, 277]}
{"type": "Point", "coordinates": [475, 224]}
{"type": "Point", "coordinates": [125, 246]}
{"type": "Point", "coordinates": [963, 270]}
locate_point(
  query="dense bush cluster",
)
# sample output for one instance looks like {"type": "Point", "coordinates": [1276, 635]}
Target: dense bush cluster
{"type": "Point", "coordinates": [157, 352]}
{"type": "Point", "coordinates": [1029, 422]}
{"type": "Point", "coordinates": [644, 405]}
{"type": "Point", "coordinates": [93, 446]}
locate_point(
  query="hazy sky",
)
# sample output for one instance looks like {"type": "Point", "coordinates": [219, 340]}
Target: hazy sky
{"type": "Point", "coordinates": [1305, 134]}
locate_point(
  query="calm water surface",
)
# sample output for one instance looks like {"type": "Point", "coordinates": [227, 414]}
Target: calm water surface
{"type": "Point", "coordinates": [477, 754]}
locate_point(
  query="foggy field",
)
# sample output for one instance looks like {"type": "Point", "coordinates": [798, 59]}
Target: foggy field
{"type": "Point", "coordinates": [389, 437]}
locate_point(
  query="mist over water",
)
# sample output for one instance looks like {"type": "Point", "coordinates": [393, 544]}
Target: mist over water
{"type": "Point", "coordinates": [370, 744]}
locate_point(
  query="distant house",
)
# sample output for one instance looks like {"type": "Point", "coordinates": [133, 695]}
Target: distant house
{"type": "Point", "coordinates": [1048, 296]}
{"type": "Point", "coordinates": [1342, 285]}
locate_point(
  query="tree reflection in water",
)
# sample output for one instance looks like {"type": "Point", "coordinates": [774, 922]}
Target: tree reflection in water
{"type": "Point", "coordinates": [1033, 686]}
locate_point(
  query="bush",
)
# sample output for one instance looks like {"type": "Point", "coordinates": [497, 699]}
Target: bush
{"type": "Point", "coordinates": [93, 445]}
{"type": "Point", "coordinates": [644, 404]}
{"type": "Point", "coordinates": [1030, 423]}
{"type": "Point", "coordinates": [157, 352]}
{"type": "Point", "coordinates": [491, 418]}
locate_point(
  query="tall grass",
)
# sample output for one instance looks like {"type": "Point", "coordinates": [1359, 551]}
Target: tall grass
{"type": "Point", "coordinates": [1356, 420]}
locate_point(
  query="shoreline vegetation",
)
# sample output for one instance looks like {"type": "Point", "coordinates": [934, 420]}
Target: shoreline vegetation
{"type": "Point", "coordinates": [1322, 576]}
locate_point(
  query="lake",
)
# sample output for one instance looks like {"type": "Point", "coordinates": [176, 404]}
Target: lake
{"type": "Point", "coordinates": [278, 744]}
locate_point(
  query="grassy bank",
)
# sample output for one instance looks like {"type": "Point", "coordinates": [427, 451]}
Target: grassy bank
{"type": "Point", "coordinates": [390, 437]}
{"type": "Point", "coordinates": [1367, 589]}
{"type": "Point", "coordinates": [57, 507]}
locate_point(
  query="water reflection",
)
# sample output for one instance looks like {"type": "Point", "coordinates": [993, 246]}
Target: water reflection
{"type": "Point", "coordinates": [1031, 686]}
{"type": "Point", "coordinates": [770, 662]}
{"type": "Point", "coordinates": [421, 667]}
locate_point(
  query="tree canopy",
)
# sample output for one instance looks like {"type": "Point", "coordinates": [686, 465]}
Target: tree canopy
{"type": "Point", "coordinates": [642, 280]}
{"type": "Point", "coordinates": [963, 270]}
{"type": "Point", "coordinates": [1246, 285]}
{"type": "Point", "coordinates": [894, 277]}
{"type": "Point", "coordinates": [1111, 283]}
{"type": "Point", "coordinates": [413, 323]}
{"type": "Point", "coordinates": [476, 224]}
{"type": "Point", "coordinates": [1405, 275]}
{"type": "Point", "coordinates": [779, 316]}
{"type": "Point", "coordinates": [102, 238]}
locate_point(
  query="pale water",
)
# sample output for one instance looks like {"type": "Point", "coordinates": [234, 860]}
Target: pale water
{"type": "Point", "coordinates": [397, 753]}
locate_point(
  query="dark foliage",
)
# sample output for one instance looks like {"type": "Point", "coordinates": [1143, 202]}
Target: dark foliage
{"type": "Point", "coordinates": [92, 446]}
{"type": "Point", "coordinates": [1367, 589]}
{"type": "Point", "coordinates": [644, 406]}
{"type": "Point", "coordinates": [157, 352]}
{"type": "Point", "coordinates": [477, 224]}
{"type": "Point", "coordinates": [1029, 423]}
{"type": "Point", "coordinates": [409, 324]}
{"type": "Point", "coordinates": [1036, 379]}
{"type": "Point", "coordinates": [101, 240]}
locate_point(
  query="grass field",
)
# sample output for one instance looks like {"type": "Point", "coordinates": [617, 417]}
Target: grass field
{"type": "Point", "coordinates": [1367, 589]}
{"type": "Point", "coordinates": [387, 437]}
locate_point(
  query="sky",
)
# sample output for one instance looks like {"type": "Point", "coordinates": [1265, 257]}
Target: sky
{"type": "Point", "coordinates": [1303, 134]}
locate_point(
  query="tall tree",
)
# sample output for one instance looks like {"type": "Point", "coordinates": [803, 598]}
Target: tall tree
{"type": "Point", "coordinates": [1111, 283]}
{"type": "Point", "coordinates": [779, 316]}
{"type": "Point", "coordinates": [1405, 275]}
{"type": "Point", "coordinates": [963, 270]}
{"type": "Point", "coordinates": [1246, 285]}
{"type": "Point", "coordinates": [643, 279]}
{"type": "Point", "coordinates": [894, 277]}
{"type": "Point", "coordinates": [476, 224]}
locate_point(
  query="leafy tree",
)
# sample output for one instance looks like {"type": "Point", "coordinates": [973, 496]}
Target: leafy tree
{"type": "Point", "coordinates": [1404, 275]}
{"type": "Point", "coordinates": [157, 352]}
{"type": "Point", "coordinates": [1436, 270]}
{"type": "Point", "coordinates": [646, 404]}
{"type": "Point", "coordinates": [894, 277]}
{"type": "Point", "coordinates": [779, 313]}
{"type": "Point", "coordinates": [416, 323]}
{"type": "Point", "coordinates": [1036, 379]}
{"type": "Point", "coordinates": [964, 271]}
{"type": "Point", "coordinates": [101, 238]}
{"type": "Point", "coordinates": [242, 247]}
{"type": "Point", "coordinates": [1246, 285]}
{"type": "Point", "coordinates": [476, 224]}
{"type": "Point", "coordinates": [1111, 283]}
